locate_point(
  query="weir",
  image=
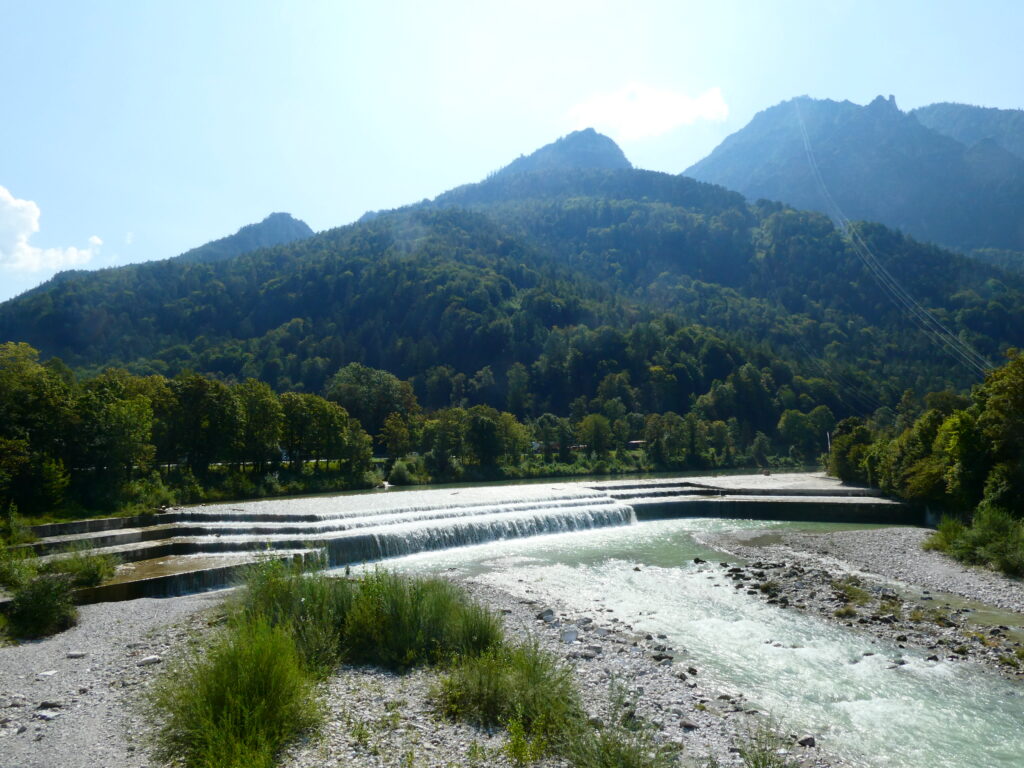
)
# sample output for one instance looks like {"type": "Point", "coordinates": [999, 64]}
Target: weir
{"type": "Point", "coordinates": [198, 548]}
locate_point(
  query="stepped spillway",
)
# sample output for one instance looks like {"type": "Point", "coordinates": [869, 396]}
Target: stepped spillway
{"type": "Point", "coordinates": [197, 548]}
{"type": "Point", "coordinates": [188, 549]}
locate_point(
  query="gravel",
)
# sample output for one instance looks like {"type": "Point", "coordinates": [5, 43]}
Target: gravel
{"type": "Point", "coordinates": [76, 699]}
{"type": "Point", "coordinates": [73, 700]}
{"type": "Point", "coordinates": [893, 553]}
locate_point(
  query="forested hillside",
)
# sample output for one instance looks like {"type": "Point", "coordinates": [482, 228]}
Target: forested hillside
{"type": "Point", "coordinates": [665, 309]}
{"type": "Point", "coordinates": [276, 229]}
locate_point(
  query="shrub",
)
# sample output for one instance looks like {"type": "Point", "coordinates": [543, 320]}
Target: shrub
{"type": "Point", "coordinates": [237, 706]}
{"type": "Point", "coordinates": [399, 622]}
{"type": "Point", "coordinates": [618, 748]}
{"type": "Point", "coordinates": [42, 606]}
{"type": "Point", "coordinates": [949, 531]}
{"type": "Point", "coordinates": [17, 567]}
{"type": "Point", "coordinates": [400, 474]}
{"type": "Point", "coordinates": [520, 684]}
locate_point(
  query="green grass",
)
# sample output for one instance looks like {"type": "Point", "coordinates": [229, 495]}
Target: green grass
{"type": "Point", "coordinates": [760, 749]}
{"type": "Point", "coordinates": [82, 568]}
{"type": "Point", "coordinates": [851, 589]}
{"type": "Point", "coordinates": [618, 747]}
{"type": "Point", "coordinates": [382, 619]}
{"type": "Point", "coordinates": [41, 606]}
{"type": "Point", "coordinates": [41, 599]}
{"type": "Point", "coordinates": [311, 607]}
{"type": "Point", "coordinates": [519, 684]}
{"type": "Point", "coordinates": [400, 622]}
{"type": "Point", "coordinates": [17, 567]}
{"type": "Point", "coordinates": [237, 706]}
{"type": "Point", "coordinates": [253, 692]}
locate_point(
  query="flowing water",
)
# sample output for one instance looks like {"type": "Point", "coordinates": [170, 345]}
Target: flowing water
{"type": "Point", "coordinates": [811, 675]}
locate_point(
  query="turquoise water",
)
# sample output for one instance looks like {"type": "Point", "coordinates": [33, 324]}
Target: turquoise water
{"type": "Point", "coordinates": [811, 675]}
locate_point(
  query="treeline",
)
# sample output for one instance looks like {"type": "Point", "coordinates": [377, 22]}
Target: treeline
{"type": "Point", "coordinates": [116, 441]}
{"type": "Point", "coordinates": [962, 455]}
{"type": "Point", "coordinates": [71, 445]}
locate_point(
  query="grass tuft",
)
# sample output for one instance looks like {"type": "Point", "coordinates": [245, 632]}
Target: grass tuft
{"type": "Point", "coordinates": [400, 622]}
{"type": "Point", "coordinates": [17, 567]}
{"type": "Point", "coordinates": [312, 607]}
{"type": "Point", "coordinates": [83, 569]}
{"type": "Point", "coordinates": [618, 747]}
{"type": "Point", "coordinates": [520, 685]}
{"type": "Point", "coordinates": [236, 707]}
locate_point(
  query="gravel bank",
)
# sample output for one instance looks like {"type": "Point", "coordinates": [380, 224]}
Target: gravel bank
{"type": "Point", "coordinates": [74, 700]}
{"type": "Point", "coordinates": [380, 719]}
{"type": "Point", "coordinates": [894, 553]}
{"type": "Point", "coordinates": [883, 583]}
{"type": "Point", "coordinates": [71, 700]}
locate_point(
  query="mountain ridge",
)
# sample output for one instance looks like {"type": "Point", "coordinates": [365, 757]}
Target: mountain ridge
{"type": "Point", "coordinates": [876, 163]}
{"type": "Point", "coordinates": [275, 229]}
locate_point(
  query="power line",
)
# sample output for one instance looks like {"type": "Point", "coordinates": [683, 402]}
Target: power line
{"type": "Point", "coordinates": [926, 321]}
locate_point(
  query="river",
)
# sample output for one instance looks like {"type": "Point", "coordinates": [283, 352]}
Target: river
{"type": "Point", "coordinates": [811, 675]}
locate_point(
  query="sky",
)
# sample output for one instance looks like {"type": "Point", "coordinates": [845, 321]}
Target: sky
{"type": "Point", "coordinates": [137, 129]}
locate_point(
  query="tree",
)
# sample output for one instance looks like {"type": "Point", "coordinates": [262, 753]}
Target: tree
{"type": "Point", "coordinates": [519, 399]}
{"type": "Point", "coordinates": [395, 437]}
{"type": "Point", "coordinates": [206, 423]}
{"type": "Point", "coordinates": [596, 433]}
{"type": "Point", "coordinates": [444, 442]}
{"type": "Point", "coordinates": [262, 419]}
{"type": "Point", "coordinates": [483, 438]}
{"type": "Point", "coordinates": [369, 395]}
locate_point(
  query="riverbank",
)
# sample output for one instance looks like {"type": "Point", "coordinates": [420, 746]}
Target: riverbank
{"type": "Point", "coordinates": [882, 582]}
{"type": "Point", "coordinates": [76, 699]}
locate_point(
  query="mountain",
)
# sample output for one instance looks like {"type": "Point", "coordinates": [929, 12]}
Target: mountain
{"type": "Point", "coordinates": [580, 149]}
{"type": "Point", "coordinates": [276, 229]}
{"type": "Point", "coordinates": [876, 163]}
{"type": "Point", "coordinates": [657, 291]}
{"type": "Point", "coordinates": [970, 125]}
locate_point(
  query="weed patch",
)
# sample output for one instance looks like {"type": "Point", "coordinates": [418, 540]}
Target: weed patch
{"type": "Point", "coordinates": [237, 706]}
{"type": "Point", "coordinates": [520, 685]}
{"type": "Point", "coordinates": [42, 606]}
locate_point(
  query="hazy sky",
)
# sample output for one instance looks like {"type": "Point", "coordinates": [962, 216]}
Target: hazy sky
{"type": "Point", "coordinates": [135, 130]}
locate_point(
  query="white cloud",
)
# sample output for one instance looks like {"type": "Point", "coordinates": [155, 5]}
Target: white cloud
{"type": "Point", "coordinates": [129, 238]}
{"type": "Point", "coordinates": [641, 111]}
{"type": "Point", "coordinates": [19, 220]}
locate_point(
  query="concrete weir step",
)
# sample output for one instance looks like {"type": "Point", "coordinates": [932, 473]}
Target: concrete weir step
{"type": "Point", "coordinates": [198, 548]}
{"type": "Point", "coordinates": [180, 575]}
{"type": "Point", "coordinates": [189, 549]}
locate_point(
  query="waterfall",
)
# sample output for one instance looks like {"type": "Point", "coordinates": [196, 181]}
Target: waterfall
{"type": "Point", "coordinates": [404, 537]}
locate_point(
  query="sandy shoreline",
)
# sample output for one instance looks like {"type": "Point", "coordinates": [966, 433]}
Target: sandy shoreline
{"type": "Point", "coordinates": [74, 699]}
